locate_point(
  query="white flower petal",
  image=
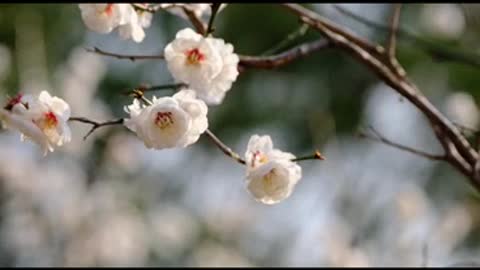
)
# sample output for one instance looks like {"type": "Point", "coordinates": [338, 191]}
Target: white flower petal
{"type": "Point", "coordinates": [270, 174]}
{"type": "Point", "coordinates": [207, 65]}
{"type": "Point", "coordinates": [274, 181]}
{"type": "Point", "coordinates": [42, 120]}
{"type": "Point", "coordinates": [176, 121]}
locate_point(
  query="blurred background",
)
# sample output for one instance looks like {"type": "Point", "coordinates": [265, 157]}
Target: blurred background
{"type": "Point", "coordinates": [108, 201]}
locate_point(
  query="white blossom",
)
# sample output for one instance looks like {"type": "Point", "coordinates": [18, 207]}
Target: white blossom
{"type": "Point", "coordinates": [208, 65]}
{"type": "Point", "coordinates": [199, 9]}
{"type": "Point", "coordinates": [42, 120]}
{"type": "Point", "coordinates": [134, 28]}
{"type": "Point", "coordinates": [176, 121]}
{"type": "Point", "coordinates": [103, 18]}
{"type": "Point", "coordinates": [271, 175]}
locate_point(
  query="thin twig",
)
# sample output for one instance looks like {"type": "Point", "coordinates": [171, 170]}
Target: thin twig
{"type": "Point", "coordinates": [380, 138]}
{"type": "Point", "coordinates": [215, 8]}
{"type": "Point", "coordinates": [225, 149]}
{"type": "Point", "coordinates": [302, 30]}
{"type": "Point", "coordinates": [162, 87]}
{"type": "Point", "coordinates": [424, 255]}
{"type": "Point", "coordinates": [392, 40]}
{"type": "Point", "coordinates": [140, 96]}
{"type": "Point", "coordinates": [95, 124]}
{"type": "Point", "coordinates": [308, 16]}
{"type": "Point", "coordinates": [274, 61]}
{"type": "Point", "coordinates": [124, 56]}
{"type": "Point", "coordinates": [430, 47]}
{"type": "Point", "coordinates": [197, 22]}
{"type": "Point", "coordinates": [154, 8]}
{"type": "Point", "coordinates": [143, 7]}
{"type": "Point", "coordinates": [391, 46]}
{"type": "Point", "coordinates": [147, 88]}
{"type": "Point", "coordinates": [139, 91]}
{"type": "Point", "coordinates": [316, 155]}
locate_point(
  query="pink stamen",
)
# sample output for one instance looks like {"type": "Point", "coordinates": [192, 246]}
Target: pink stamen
{"type": "Point", "coordinates": [164, 119]}
{"type": "Point", "coordinates": [109, 9]}
{"type": "Point", "coordinates": [194, 56]}
{"type": "Point", "coordinates": [50, 119]}
{"type": "Point", "coordinates": [14, 101]}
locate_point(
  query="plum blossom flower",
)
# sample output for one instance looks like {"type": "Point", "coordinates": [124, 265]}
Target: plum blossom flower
{"type": "Point", "coordinates": [134, 28]}
{"type": "Point", "coordinates": [176, 121]}
{"type": "Point", "coordinates": [271, 175]}
{"type": "Point", "coordinates": [199, 9]}
{"type": "Point", "coordinates": [103, 18]}
{"type": "Point", "coordinates": [42, 120]}
{"type": "Point", "coordinates": [208, 65]}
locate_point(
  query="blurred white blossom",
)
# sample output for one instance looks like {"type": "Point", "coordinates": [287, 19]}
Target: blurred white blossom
{"type": "Point", "coordinates": [461, 107]}
{"type": "Point", "coordinates": [444, 20]}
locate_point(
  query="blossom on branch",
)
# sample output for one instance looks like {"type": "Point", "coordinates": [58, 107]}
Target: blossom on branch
{"type": "Point", "coordinates": [199, 9]}
{"type": "Point", "coordinates": [208, 65]}
{"type": "Point", "coordinates": [103, 18]}
{"type": "Point", "coordinates": [42, 120]}
{"type": "Point", "coordinates": [176, 121]}
{"type": "Point", "coordinates": [271, 175]}
{"type": "Point", "coordinates": [134, 28]}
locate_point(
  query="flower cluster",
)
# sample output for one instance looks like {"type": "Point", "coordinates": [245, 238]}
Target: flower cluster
{"type": "Point", "coordinates": [207, 64]}
{"type": "Point", "coordinates": [208, 68]}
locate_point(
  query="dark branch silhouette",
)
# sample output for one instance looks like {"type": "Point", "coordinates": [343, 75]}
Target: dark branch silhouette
{"type": "Point", "coordinates": [95, 124]}
{"type": "Point", "coordinates": [281, 59]}
{"type": "Point", "coordinates": [380, 138]}
{"type": "Point", "coordinates": [123, 56]}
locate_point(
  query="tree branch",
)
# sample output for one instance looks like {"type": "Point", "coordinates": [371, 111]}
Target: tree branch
{"type": "Point", "coordinates": [305, 13]}
{"type": "Point", "coordinates": [274, 61]}
{"type": "Point", "coordinates": [457, 148]}
{"type": "Point", "coordinates": [215, 7]}
{"type": "Point", "coordinates": [145, 88]}
{"type": "Point", "coordinates": [230, 153]}
{"type": "Point", "coordinates": [197, 22]}
{"type": "Point", "coordinates": [316, 155]}
{"type": "Point", "coordinates": [123, 56]}
{"type": "Point", "coordinates": [391, 46]}
{"type": "Point", "coordinates": [95, 124]}
{"type": "Point", "coordinates": [225, 149]}
{"type": "Point", "coordinates": [392, 40]}
{"type": "Point", "coordinates": [301, 31]}
{"type": "Point", "coordinates": [433, 49]}
{"type": "Point", "coordinates": [380, 138]}
{"type": "Point", "coordinates": [146, 8]}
